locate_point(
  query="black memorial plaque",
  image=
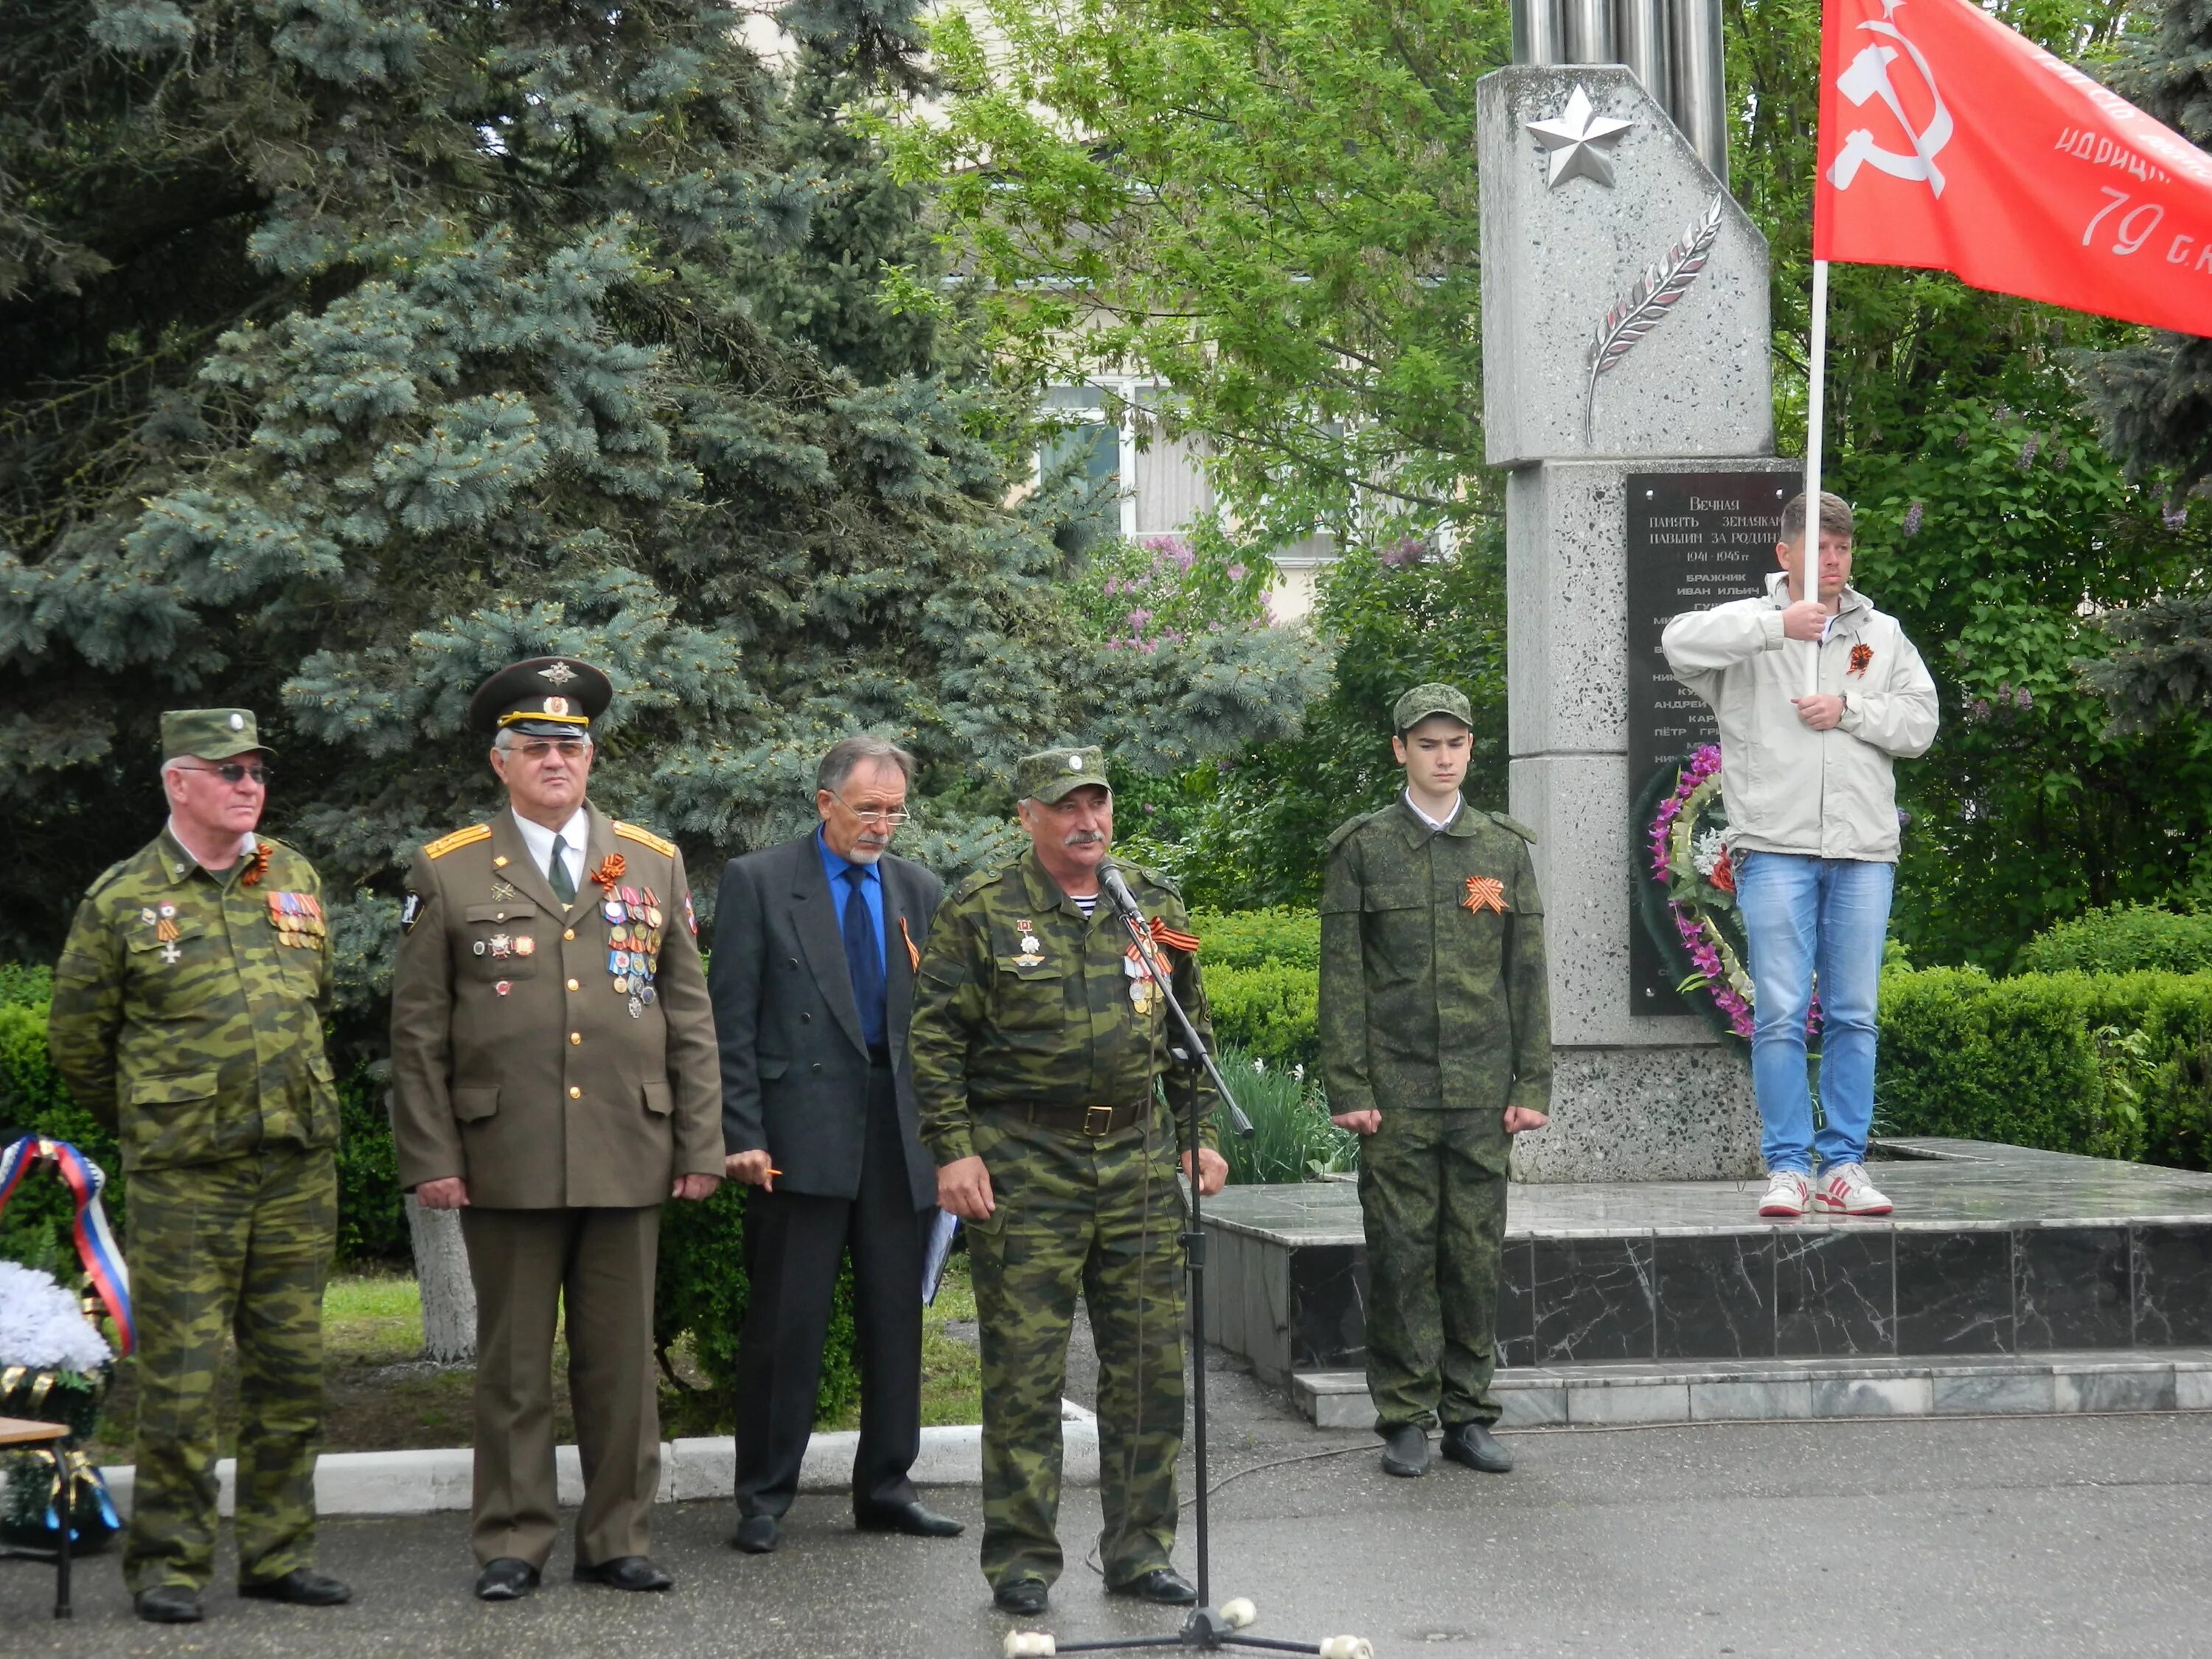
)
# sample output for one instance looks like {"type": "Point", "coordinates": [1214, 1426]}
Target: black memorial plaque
{"type": "Point", "coordinates": [1695, 540]}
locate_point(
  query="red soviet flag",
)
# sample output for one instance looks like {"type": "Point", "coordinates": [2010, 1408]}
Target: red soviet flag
{"type": "Point", "coordinates": [1948, 141]}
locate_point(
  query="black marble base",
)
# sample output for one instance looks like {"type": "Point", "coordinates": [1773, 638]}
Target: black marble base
{"type": "Point", "coordinates": [1582, 1281]}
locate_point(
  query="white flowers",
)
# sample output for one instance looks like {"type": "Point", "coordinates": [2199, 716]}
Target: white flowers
{"type": "Point", "coordinates": [1706, 853]}
{"type": "Point", "coordinates": [1259, 1065]}
{"type": "Point", "coordinates": [41, 1326]}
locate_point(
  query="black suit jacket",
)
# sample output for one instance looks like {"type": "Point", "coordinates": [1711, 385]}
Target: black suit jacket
{"type": "Point", "coordinates": [795, 1068]}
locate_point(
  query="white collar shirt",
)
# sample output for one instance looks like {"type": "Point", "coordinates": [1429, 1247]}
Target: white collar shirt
{"type": "Point", "coordinates": [1434, 823]}
{"type": "Point", "coordinates": [246, 843]}
{"type": "Point", "coordinates": [539, 840]}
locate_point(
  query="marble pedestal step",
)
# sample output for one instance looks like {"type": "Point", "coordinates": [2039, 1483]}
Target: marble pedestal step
{"type": "Point", "coordinates": [1774, 1390]}
{"type": "Point", "coordinates": [1993, 1250]}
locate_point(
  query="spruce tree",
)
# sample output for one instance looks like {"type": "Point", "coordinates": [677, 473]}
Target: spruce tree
{"type": "Point", "coordinates": [2155, 403]}
{"type": "Point", "coordinates": [350, 348]}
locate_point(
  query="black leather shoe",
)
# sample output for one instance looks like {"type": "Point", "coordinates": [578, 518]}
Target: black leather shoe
{"type": "Point", "coordinates": [626, 1572]}
{"type": "Point", "coordinates": [509, 1578]}
{"type": "Point", "coordinates": [1023, 1597]}
{"type": "Point", "coordinates": [910, 1518]}
{"type": "Point", "coordinates": [1162, 1584]}
{"type": "Point", "coordinates": [168, 1604]}
{"type": "Point", "coordinates": [300, 1588]}
{"type": "Point", "coordinates": [1473, 1444]}
{"type": "Point", "coordinates": [756, 1534]}
{"type": "Point", "coordinates": [1406, 1450]}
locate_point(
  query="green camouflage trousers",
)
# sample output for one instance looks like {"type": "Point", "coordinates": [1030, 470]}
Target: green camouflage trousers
{"type": "Point", "coordinates": [1101, 1216]}
{"type": "Point", "coordinates": [242, 1245]}
{"type": "Point", "coordinates": [1435, 1213]}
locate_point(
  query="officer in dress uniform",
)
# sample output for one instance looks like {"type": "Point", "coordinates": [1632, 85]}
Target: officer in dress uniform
{"type": "Point", "coordinates": [1038, 1040]}
{"type": "Point", "coordinates": [188, 1019]}
{"type": "Point", "coordinates": [554, 1079]}
{"type": "Point", "coordinates": [1435, 1042]}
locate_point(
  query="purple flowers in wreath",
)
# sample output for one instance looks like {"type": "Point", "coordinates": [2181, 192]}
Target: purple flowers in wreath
{"type": "Point", "coordinates": [1690, 899]}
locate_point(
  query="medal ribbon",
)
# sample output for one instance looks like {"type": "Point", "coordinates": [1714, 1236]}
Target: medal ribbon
{"type": "Point", "coordinates": [1161, 934]}
{"type": "Point", "coordinates": [95, 1241]}
{"type": "Point", "coordinates": [610, 870]}
{"type": "Point", "coordinates": [1483, 893]}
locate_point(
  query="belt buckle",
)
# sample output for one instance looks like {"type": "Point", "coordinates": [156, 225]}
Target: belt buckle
{"type": "Point", "coordinates": [1103, 1114]}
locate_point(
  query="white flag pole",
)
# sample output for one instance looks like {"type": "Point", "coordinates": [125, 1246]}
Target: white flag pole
{"type": "Point", "coordinates": [1808, 563]}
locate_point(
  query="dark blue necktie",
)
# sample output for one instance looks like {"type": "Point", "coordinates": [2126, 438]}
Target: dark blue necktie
{"type": "Point", "coordinates": [863, 959]}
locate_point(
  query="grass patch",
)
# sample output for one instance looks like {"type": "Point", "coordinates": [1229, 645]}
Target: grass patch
{"type": "Point", "coordinates": [380, 1396]}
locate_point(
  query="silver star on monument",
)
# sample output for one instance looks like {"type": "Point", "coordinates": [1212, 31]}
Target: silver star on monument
{"type": "Point", "coordinates": [1579, 142]}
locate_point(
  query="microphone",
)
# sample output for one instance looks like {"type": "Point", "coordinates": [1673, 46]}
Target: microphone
{"type": "Point", "coordinates": [1109, 878]}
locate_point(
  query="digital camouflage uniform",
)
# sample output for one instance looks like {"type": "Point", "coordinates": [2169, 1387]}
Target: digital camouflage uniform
{"type": "Point", "coordinates": [187, 1018]}
{"type": "Point", "coordinates": [1434, 1012]}
{"type": "Point", "coordinates": [1023, 1003]}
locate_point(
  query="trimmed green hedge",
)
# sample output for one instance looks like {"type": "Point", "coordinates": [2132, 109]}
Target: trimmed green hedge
{"type": "Point", "coordinates": [1256, 939]}
{"type": "Point", "coordinates": [2113, 1065]}
{"type": "Point", "coordinates": [2121, 938]}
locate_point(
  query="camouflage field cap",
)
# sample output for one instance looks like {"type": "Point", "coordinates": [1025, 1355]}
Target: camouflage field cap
{"type": "Point", "coordinates": [1050, 774]}
{"type": "Point", "coordinates": [212, 734]}
{"type": "Point", "coordinates": [1423, 701]}
{"type": "Point", "coordinates": [542, 697]}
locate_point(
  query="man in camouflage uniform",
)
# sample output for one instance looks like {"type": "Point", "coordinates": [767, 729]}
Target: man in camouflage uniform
{"type": "Point", "coordinates": [188, 1019]}
{"type": "Point", "coordinates": [1435, 1043]}
{"type": "Point", "coordinates": [1037, 1043]}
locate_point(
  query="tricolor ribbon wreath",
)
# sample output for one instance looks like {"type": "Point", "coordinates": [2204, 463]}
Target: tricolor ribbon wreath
{"type": "Point", "coordinates": [95, 1240]}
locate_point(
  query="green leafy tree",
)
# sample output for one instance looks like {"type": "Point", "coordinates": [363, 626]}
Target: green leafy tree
{"type": "Point", "coordinates": [2154, 400]}
{"type": "Point", "coordinates": [350, 348]}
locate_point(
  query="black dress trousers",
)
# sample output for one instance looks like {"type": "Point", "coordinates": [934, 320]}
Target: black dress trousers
{"type": "Point", "coordinates": [794, 1244]}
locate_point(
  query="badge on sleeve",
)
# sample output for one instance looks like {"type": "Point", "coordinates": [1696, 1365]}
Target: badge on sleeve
{"type": "Point", "coordinates": [410, 912]}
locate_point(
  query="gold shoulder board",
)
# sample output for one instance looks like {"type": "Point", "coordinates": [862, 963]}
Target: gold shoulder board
{"type": "Point", "coordinates": [458, 839]}
{"type": "Point", "coordinates": [645, 838]}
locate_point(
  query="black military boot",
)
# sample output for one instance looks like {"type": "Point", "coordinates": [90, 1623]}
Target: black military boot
{"type": "Point", "coordinates": [1473, 1444]}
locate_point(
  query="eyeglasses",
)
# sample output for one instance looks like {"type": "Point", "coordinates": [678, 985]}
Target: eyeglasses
{"type": "Point", "coordinates": [543, 749]}
{"type": "Point", "coordinates": [882, 816]}
{"type": "Point", "coordinates": [233, 772]}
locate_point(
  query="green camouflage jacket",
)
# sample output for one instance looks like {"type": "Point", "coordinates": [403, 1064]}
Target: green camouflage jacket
{"type": "Point", "coordinates": [1432, 980]}
{"type": "Point", "coordinates": [188, 1008]}
{"type": "Point", "coordinates": [1021, 1000]}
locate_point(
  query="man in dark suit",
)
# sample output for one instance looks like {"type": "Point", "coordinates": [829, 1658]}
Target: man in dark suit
{"type": "Point", "coordinates": [812, 978]}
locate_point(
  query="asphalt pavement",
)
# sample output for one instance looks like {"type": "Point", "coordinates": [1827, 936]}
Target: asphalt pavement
{"type": "Point", "coordinates": [1931, 1536]}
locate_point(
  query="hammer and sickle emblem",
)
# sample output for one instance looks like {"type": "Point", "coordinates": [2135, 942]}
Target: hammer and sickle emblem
{"type": "Point", "coordinates": [1867, 76]}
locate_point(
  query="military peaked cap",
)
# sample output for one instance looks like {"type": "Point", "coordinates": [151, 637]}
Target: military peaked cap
{"type": "Point", "coordinates": [542, 697]}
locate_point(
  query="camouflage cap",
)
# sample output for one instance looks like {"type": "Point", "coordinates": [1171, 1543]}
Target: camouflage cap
{"type": "Point", "coordinates": [1423, 701]}
{"type": "Point", "coordinates": [210, 733]}
{"type": "Point", "coordinates": [1048, 776]}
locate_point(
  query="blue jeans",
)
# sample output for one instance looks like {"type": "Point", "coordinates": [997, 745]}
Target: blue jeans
{"type": "Point", "coordinates": [1801, 914]}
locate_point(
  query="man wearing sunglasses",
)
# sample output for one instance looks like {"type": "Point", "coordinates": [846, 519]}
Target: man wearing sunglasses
{"type": "Point", "coordinates": [188, 1019]}
{"type": "Point", "coordinates": [815, 946]}
{"type": "Point", "coordinates": [554, 1080]}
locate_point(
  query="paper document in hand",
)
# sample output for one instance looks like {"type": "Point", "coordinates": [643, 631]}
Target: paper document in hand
{"type": "Point", "coordinates": [942, 1227]}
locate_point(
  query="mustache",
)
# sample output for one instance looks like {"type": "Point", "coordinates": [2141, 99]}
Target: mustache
{"type": "Point", "coordinates": [1083, 837]}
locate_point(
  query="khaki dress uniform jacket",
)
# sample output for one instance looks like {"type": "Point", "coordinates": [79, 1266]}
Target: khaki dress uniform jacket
{"type": "Point", "coordinates": [518, 1065]}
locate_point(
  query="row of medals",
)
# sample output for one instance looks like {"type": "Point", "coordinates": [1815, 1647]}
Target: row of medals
{"type": "Point", "coordinates": [634, 918]}
{"type": "Point", "coordinates": [1143, 992]}
{"type": "Point", "coordinates": [298, 919]}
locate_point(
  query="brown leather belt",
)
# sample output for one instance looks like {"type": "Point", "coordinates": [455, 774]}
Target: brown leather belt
{"type": "Point", "coordinates": [1092, 1120]}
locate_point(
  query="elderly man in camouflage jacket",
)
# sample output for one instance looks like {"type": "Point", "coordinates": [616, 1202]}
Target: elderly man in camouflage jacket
{"type": "Point", "coordinates": [1038, 1038]}
{"type": "Point", "coordinates": [187, 1018]}
{"type": "Point", "coordinates": [1435, 1044]}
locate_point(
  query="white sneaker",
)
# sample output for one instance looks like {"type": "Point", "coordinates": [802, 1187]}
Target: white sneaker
{"type": "Point", "coordinates": [1787, 1194]}
{"type": "Point", "coordinates": [1845, 1188]}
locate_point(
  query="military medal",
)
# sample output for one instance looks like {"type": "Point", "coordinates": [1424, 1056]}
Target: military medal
{"type": "Point", "coordinates": [1483, 893]}
{"type": "Point", "coordinates": [171, 954]}
{"type": "Point", "coordinates": [614, 912]}
{"type": "Point", "coordinates": [479, 947]}
{"type": "Point", "coordinates": [524, 944]}
{"type": "Point", "coordinates": [502, 987]}
{"type": "Point", "coordinates": [502, 945]}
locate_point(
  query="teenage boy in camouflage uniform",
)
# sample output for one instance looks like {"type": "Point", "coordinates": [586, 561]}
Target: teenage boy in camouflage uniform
{"type": "Point", "coordinates": [1036, 1040]}
{"type": "Point", "coordinates": [188, 1019]}
{"type": "Point", "coordinates": [1436, 1043]}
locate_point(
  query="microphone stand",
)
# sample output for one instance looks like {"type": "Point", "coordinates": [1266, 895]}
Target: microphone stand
{"type": "Point", "coordinates": [1206, 1626]}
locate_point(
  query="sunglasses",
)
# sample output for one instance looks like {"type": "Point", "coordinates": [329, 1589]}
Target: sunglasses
{"type": "Point", "coordinates": [233, 772]}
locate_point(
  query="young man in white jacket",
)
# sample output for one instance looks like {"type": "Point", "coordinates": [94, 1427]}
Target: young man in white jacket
{"type": "Point", "coordinates": [1813, 838]}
